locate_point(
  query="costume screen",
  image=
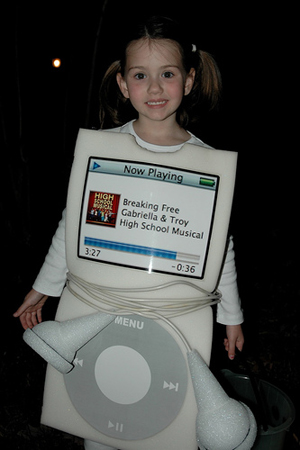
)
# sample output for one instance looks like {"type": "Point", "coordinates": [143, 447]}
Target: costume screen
{"type": "Point", "coordinates": [127, 204]}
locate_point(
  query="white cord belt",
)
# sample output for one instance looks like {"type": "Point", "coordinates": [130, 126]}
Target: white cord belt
{"type": "Point", "coordinates": [150, 307]}
{"type": "Point", "coordinates": [156, 308]}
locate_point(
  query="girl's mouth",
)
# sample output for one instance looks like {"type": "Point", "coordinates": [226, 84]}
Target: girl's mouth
{"type": "Point", "coordinates": [156, 102]}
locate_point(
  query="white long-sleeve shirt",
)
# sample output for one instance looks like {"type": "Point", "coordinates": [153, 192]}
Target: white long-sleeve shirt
{"type": "Point", "coordinates": [52, 276]}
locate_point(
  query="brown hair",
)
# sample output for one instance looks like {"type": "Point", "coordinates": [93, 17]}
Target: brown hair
{"type": "Point", "coordinates": [116, 110]}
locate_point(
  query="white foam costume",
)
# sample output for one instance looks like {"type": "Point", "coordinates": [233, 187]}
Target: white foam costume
{"type": "Point", "coordinates": [53, 274]}
{"type": "Point", "coordinates": [58, 410]}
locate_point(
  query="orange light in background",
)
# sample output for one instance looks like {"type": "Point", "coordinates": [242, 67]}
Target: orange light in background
{"type": "Point", "coordinates": [56, 63]}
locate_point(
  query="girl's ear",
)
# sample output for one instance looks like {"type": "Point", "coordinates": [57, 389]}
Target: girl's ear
{"type": "Point", "coordinates": [189, 81]}
{"type": "Point", "coordinates": [122, 85]}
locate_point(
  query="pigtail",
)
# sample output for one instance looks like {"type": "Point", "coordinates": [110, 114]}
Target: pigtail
{"type": "Point", "coordinates": [211, 82]}
{"type": "Point", "coordinates": [109, 96]}
{"type": "Point", "coordinates": [206, 91]}
{"type": "Point", "coordinates": [115, 109]}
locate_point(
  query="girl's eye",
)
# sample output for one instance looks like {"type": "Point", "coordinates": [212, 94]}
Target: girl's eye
{"type": "Point", "coordinates": [168, 74]}
{"type": "Point", "coordinates": [140, 76]}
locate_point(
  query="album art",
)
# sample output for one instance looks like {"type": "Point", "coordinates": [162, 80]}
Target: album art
{"type": "Point", "coordinates": [103, 208]}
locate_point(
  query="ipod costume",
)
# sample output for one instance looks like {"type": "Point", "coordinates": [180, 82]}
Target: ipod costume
{"type": "Point", "coordinates": [52, 277]}
{"type": "Point", "coordinates": [142, 265]}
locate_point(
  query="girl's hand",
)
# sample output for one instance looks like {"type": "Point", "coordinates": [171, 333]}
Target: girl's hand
{"type": "Point", "coordinates": [235, 338]}
{"type": "Point", "coordinates": [30, 312]}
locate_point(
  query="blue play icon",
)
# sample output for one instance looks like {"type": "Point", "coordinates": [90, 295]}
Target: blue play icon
{"type": "Point", "coordinates": [95, 166]}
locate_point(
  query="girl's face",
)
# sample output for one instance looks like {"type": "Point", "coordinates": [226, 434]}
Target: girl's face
{"type": "Point", "coordinates": [154, 79]}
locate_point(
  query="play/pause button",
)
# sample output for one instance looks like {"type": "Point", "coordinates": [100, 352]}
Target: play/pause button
{"type": "Point", "coordinates": [117, 426]}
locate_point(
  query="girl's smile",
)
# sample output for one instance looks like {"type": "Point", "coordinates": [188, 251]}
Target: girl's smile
{"type": "Point", "coordinates": [157, 103]}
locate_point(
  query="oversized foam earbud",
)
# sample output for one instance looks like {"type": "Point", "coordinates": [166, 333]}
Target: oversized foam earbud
{"type": "Point", "coordinates": [222, 423]}
{"type": "Point", "coordinates": [58, 342]}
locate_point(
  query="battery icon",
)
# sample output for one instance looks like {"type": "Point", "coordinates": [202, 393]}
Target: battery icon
{"type": "Point", "coordinates": [207, 182]}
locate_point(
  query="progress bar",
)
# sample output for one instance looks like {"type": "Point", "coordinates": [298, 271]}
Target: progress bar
{"type": "Point", "coordinates": [140, 249]}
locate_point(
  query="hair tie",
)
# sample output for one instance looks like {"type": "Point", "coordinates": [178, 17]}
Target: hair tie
{"type": "Point", "coordinates": [194, 48]}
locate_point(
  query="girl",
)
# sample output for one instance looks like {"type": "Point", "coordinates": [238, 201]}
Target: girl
{"type": "Point", "coordinates": [157, 85]}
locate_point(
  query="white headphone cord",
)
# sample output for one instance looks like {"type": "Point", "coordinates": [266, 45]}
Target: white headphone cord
{"type": "Point", "coordinates": [150, 308]}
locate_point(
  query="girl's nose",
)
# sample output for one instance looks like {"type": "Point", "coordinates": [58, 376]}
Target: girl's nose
{"type": "Point", "coordinates": [154, 87]}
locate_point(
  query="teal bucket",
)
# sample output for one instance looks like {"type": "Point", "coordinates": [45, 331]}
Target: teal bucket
{"type": "Point", "coordinates": [279, 411]}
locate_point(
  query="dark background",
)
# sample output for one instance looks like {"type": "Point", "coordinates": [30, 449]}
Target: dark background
{"type": "Point", "coordinates": [41, 111]}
